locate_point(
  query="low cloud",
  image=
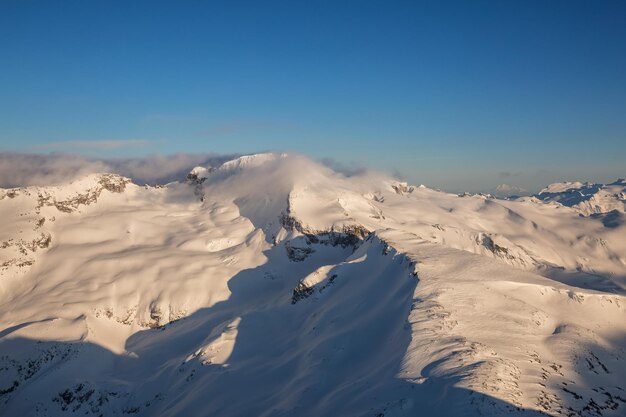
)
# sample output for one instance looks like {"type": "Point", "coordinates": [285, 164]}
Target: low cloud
{"type": "Point", "coordinates": [21, 170]}
{"type": "Point", "coordinates": [159, 169]}
{"type": "Point", "coordinates": [348, 170]}
{"type": "Point", "coordinates": [17, 170]}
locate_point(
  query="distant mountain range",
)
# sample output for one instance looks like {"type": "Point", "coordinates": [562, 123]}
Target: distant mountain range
{"type": "Point", "coordinates": [587, 198]}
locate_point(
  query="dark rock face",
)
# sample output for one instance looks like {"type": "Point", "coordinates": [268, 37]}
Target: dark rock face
{"type": "Point", "coordinates": [493, 247]}
{"type": "Point", "coordinates": [297, 254]}
{"type": "Point", "coordinates": [197, 182]}
{"type": "Point", "coordinates": [402, 188]}
{"type": "Point", "coordinates": [301, 292]}
{"type": "Point", "coordinates": [331, 281]}
{"type": "Point", "coordinates": [113, 183]}
{"type": "Point", "coordinates": [347, 235]}
{"type": "Point", "coordinates": [193, 179]}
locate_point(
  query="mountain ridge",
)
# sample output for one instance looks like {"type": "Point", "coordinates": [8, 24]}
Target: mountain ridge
{"type": "Point", "coordinates": [312, 291]}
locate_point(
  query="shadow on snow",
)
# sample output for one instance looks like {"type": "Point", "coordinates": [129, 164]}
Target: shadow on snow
{"type": "Point", "coordinates": [338, 352]}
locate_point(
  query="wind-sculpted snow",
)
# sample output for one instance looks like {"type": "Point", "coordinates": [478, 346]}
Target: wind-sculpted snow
{"type": "Point", "coordinates": [272, 285]}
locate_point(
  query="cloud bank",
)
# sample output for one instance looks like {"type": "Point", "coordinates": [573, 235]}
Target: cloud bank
{"type": "Point", "coordinates": [21, 169]}
{"type": "Point", "coordinates": [348, 170]}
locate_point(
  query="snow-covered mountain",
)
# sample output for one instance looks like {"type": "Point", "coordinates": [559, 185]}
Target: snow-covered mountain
{"type": "Point", "coordinates": [510, 191]}
{"type": "Point", "coordinates": [273, 286]}
{"type": "Point", "coordinates": [587, 198]}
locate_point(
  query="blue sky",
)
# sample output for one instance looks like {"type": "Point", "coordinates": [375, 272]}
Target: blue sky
{"type": "Point", "coordinates": [457, 95]}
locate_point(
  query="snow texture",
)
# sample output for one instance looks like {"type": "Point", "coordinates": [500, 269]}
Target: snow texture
{"type": "Point", "coordinates": [272, 285]}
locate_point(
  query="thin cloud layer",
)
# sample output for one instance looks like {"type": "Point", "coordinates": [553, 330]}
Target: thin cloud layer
{"type": "Point", "coordinates": [21, 170]}
{"type": "Point", "coordinates": [95, 145]}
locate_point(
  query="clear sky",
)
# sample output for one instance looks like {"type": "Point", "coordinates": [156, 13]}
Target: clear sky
{"type": "Point", "coordinates": [459, 95]}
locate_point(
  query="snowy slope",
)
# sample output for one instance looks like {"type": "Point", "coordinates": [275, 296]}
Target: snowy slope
{"type": "Point", "coordinates": [588, 198]}
{"type": "Point", "coordinates": [272, 285]}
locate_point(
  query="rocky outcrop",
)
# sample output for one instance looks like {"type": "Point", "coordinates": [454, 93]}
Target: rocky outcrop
{"type": "Point", "coordinates": [109, 182]}
{"type": "Point", "coordinates": [402, 188]}
{"type": "Point", "coordinates": [301, 292]}
{"type": "Point", "coordinates": [344, 235]}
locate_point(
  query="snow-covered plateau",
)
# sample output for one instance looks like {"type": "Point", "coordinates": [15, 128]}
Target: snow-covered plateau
{"type": "Point", "coordinates": [274, 286]}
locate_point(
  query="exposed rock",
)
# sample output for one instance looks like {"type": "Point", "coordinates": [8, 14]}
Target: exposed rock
{"type": "Point", "coordinates": [346, 235]}
{"type": "Point", "coordinates": [302, 291]}
{"type": "Point", "coordinates": [297, 254]}
{"type": "Point", "coordinates": [402, 188]}
{"type": "Point", "coordinates": [113, 183]}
